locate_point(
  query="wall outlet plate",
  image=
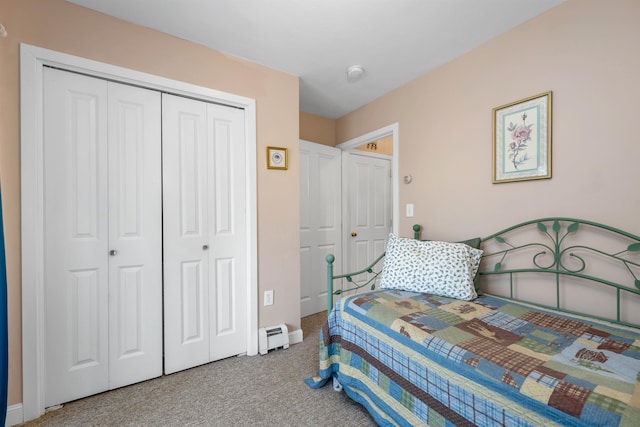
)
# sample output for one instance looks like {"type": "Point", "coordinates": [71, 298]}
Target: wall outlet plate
{"type": "Point", "coordinates": [268, 298]}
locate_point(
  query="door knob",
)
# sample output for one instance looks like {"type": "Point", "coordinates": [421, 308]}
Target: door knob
{"type": "Point", "coordinates": [205, 247]}
{"type": "Point", "coordinates": [113, 252]}
{"type": "Point", "coordinates": [354, 234]}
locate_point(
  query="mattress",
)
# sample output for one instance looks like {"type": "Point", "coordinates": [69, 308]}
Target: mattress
{"type": "Point", "coordinates": [414, 359]}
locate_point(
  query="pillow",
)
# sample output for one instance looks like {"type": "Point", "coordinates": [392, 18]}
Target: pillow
{"type": "Point", "coordinates": [474, 243]}
{"type": "Point", "coordinates": [439, 268]}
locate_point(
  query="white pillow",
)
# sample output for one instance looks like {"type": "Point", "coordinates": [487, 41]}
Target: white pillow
{"type": "Point", "coordinates": [440, 268]}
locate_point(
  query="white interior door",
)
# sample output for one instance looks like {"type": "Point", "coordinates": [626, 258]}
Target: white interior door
{"type": "Point", "coordinates": [228, 232]}
{"type": "Point", "coordinates": [102, 193]}
{"type": "Point", "coordinates": [204, 232]}
{"type": "Point", "coordinates": [76, 237]}
{"type": "Point", "coordinates": [320, 221]}
{"type": "Point", "coordinates": [186, 233]}
{"type": "Point", "coordinates": [368, 199]}
{"type": "Point", "coordinates": [135, 235]}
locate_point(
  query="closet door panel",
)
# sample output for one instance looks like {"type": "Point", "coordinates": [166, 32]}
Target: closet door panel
{"type": "Point", "coordinates": [103, 241]}
{"type": "Point", "coordinates": [192, 285]}
{"type": "Point", "coordinates": [135, 234]}
{"type": "Point", "coordinates": [227, 180]}
{"type": "Point", "coordinates": [204, 232]}
{"type": "Point", "coordinates": [186, 233]}
{"type": "Point", "coordinates": [75, 236]}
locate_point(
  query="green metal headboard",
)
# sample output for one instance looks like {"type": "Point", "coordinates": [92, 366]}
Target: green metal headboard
{"type": "Point", "coordinates": [557, 248]}
{"type": "Point", "coordinates": [371, 281]}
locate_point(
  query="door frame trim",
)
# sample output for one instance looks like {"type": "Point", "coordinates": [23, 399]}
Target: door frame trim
{"type": "Point", "coordinates": [393, 131]}
{"type": "Point", "coordinates": [32, 61]}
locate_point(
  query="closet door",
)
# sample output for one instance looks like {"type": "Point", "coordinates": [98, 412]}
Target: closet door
{"type": "Point", "coordinates": [205, 242]}
{"type": "Point", "coordinates": [186, 233]}
{"type": "Point", "coordinates": [227, 232]}
{"type": "Point", "coordinates": [102, 194]}
{"type": "Point", "coordinates": [75, 237]}
{"type": "Point", "coordinates": [135, 235]}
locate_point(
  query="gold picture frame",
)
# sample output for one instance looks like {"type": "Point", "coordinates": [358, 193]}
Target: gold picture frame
{"type": "Point", "coordinates": [277, 158]}
{"type": "Point", "coordinates": [522, 139]}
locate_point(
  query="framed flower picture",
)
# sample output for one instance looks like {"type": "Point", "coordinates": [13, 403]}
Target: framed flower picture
{"type": "Point", "coordinates": [522, 140]}
{"type": "Point", "coordinates": [277, 158]}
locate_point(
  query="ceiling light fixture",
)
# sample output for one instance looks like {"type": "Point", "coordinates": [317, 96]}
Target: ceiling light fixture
{"type": "Point", "coordinates": [354, 73]}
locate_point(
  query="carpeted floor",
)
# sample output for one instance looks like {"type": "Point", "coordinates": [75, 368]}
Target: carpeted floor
{"type": "Point", "coordinates": [239, 391]}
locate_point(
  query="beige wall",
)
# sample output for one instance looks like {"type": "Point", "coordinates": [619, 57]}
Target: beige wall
{"type": "Point", "coordinates": [322, 130]}
{"type": "Point", "coordinates": [61, 26]}
{"type": "Point", "coordinates": [586, 52]}
{"type": "Point", "coordinates": [318, 129]}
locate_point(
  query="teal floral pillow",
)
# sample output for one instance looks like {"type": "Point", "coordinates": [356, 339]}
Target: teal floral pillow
{"type": "Point", "coordinates": [439, 268]}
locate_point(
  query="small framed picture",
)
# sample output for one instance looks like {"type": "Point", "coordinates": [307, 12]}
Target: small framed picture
{"type": "Point", "coordinates": [277, 158]}
{"type": "Point", "coordinates": [522, 140]}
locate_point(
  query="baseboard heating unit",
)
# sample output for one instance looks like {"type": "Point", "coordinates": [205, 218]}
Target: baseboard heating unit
{"type": "Point", "coordinates": [273, 337]}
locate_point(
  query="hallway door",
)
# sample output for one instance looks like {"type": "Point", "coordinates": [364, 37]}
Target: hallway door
{"type": "Point", "coordinates": [320, 221]}
{"type": "Point", "coordinates": [368, 201]}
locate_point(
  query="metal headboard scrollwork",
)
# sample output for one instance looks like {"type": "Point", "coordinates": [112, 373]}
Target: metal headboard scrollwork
{"type": "Point", "coordinates": [558, 255]}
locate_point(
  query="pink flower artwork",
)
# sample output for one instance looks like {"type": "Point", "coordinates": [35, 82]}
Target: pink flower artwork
{"type": "Point", "coordinates": [520, 136]}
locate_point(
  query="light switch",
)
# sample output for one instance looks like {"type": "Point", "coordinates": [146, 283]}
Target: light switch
{"type": "Point", "coordinates": [409, 210]}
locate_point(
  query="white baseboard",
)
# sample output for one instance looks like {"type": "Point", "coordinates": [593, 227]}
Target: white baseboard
{"type": "Point", "coordinates": [14, 415]}
{"type": "Point", "coordinates": [295, 337]}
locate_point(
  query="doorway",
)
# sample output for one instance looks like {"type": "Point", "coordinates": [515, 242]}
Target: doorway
{"type": "Point", "coordinates": [366, 211]}
{"type": "Point", "coordinates": [313, 286]}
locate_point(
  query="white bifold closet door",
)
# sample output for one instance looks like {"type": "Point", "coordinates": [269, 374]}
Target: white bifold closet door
{"type": "Point", "coordinates": [205, 241]}
{"type": "Point", "coordinates": [102, 236]}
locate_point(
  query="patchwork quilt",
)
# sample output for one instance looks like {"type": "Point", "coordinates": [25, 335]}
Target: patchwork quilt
{"type": "Point", "coordinates": [415, 359]}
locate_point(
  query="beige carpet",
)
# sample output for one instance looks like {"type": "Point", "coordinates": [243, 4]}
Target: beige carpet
{"type": "Point", "coordinates": [239, 391]}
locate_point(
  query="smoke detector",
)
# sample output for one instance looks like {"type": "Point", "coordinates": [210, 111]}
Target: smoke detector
{"type": "Point", "coordinates": [354, 73]}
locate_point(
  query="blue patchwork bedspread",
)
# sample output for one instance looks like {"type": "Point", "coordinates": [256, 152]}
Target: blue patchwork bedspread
{"type": "Point", "coordinates": [415, 359]}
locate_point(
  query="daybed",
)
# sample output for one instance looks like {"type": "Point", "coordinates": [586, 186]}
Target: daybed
{"type": "Point", "coordinates": [423, 352]}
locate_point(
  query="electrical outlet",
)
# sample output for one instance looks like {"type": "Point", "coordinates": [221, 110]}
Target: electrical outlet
{"type": "Point", "coordinates": [268, 298]}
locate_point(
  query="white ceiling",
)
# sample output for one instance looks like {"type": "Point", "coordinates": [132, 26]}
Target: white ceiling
{"type": "Point", "coordinates": [394, 40]}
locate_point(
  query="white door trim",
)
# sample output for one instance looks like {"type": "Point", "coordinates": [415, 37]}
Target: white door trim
{"type": "Point", "coordinates": [32, 61]}
{"type": "Point", "coordinates": [393, 131]}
